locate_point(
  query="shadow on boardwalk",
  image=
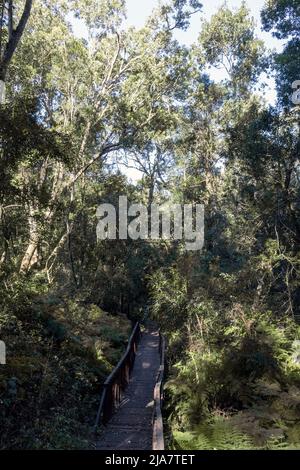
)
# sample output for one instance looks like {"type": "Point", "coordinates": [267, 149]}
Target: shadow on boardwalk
{"type": "Point", "coordinates": [131, 426]}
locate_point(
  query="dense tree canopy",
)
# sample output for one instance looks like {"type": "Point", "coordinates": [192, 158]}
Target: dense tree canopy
{"type": "Point", "coordinates": [77, 111]}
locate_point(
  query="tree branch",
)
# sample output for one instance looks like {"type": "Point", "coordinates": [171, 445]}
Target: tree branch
{"type": "Point", "coordinates": [14, 37]}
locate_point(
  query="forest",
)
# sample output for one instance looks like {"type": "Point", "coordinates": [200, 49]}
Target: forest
{"type": "Point", "coordinates": [79, 115]}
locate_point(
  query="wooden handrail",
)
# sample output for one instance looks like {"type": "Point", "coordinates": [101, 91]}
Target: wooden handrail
{"type": "Point", "coordinates": [118, 380]}
{"type": "Point", "coordinates": [158, 442]}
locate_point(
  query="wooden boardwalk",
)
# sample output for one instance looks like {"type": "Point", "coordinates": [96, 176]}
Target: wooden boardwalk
{"type": "Point", "coordinates": [131, 426]}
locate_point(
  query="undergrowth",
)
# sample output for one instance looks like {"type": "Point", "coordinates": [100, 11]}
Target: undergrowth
{"type": "Point", "coordinates": [59, 351]}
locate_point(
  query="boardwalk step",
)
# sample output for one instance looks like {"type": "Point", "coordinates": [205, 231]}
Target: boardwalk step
{"type": "Point", "coordinates": [131, 426]}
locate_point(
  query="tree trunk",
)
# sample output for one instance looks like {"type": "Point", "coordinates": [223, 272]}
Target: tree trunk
{"type": "Point", "coordinates": [2, 92]}
{"type": "Point", "coordinates": [14, 36]}
{"type": "Point", "coordinates": [30, 257]}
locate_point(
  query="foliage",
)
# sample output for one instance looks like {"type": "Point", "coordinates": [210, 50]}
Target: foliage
{"type": "Point", "coordinates": [234, 361]}
{"type": "Point", "coordinates": [80, 109]}
{"type": "Point", "coordinates": [282, 18]}
{"type": "Point", "coordinates": [59, 353]}
{"type": "Point", "coordinates": [228, 41]}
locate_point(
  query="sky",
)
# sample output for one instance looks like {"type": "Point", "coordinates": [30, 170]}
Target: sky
{"type": "Point", "coordinates": [139, 10]}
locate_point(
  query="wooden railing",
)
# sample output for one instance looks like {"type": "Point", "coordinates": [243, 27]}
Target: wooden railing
{"type": "Point", "coordinates": [118, 380]}
{"type": "Point", "coordinates": [158, 429]}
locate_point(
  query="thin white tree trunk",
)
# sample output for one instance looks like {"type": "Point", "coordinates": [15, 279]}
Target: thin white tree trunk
{"type": "Point", "coordinates": [2, 92]}
{"type": "Point", "coordinates": [30, 256]}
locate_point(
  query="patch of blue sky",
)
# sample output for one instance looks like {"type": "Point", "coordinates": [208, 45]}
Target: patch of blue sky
{"type": "Point", "coordinates": [139, 10]}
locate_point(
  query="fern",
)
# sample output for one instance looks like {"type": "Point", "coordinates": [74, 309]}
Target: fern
{"type": "Point", "coordinates": [222, 434]}
{"type": "Point", "coordinates": [216, 435]}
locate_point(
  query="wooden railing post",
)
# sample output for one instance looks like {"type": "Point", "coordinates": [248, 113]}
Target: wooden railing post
{"type": "Point", "coordinates": [158, 432]}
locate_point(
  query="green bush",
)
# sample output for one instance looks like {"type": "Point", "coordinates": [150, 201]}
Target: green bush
{"type": "Point", "coordinates": [59, 352]}
{"type": "Point", "coordinates": [227, 358]}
